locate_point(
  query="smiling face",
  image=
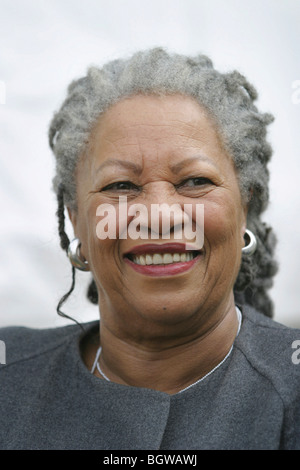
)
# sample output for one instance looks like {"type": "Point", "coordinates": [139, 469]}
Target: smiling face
{"type": "Point", "coordinates": [156, 150]}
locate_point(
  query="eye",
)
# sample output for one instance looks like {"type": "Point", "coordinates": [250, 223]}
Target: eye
{"type": "Point", "coordinates": [194, 182]}
{"type": "Point", "coordinates": [121, 186]}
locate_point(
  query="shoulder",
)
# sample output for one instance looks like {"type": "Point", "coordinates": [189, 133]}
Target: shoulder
{"type": "Point", "coordinates": [273, 350]}
{"type": "Point", "coordinates": [22, 343]}
{"type": "Point", "coordinates": [265, 331]}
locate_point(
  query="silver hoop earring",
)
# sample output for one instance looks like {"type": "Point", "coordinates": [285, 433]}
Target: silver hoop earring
{"type": "Point", "coordinates": [75, 257]}
{"type": "Point", "coordinates": [250, 248]}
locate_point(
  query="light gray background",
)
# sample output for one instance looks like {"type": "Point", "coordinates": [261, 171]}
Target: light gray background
{"type": "Point", "coordinates": [44, 44]}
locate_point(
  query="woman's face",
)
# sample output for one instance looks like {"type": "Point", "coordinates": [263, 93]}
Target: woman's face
{"type": "Point", "coordinates": [155, 150]}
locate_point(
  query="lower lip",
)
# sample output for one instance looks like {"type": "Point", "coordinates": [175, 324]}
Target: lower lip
{"type": "Point", "coordinates": [163, 269]}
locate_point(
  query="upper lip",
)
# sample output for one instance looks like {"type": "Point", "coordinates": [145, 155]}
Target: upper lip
{"type": "Point", "coordinates": [161, 248]}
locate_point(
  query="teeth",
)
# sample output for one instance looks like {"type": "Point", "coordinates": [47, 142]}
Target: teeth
{"type": "Point", "coordinates": [166, 258]}
{"type": "Point", "coordinates": [148, 259]}
{"type": "Point", "coordinates": [157, 259]}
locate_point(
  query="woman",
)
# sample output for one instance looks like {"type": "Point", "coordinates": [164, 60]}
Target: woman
{"type": "Point", "coordinates": [186, 356]}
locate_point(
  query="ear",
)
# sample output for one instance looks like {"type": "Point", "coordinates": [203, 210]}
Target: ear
{"type": "Point", "coordinates": [73, 218]}
{"type": "Point", "coordinates": [245, 214]}
{"type": "Point", "coordinates": [244, 222]}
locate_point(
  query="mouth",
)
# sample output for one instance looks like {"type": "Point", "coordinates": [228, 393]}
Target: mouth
{"type": "Point", "coordinates": [167, 259]}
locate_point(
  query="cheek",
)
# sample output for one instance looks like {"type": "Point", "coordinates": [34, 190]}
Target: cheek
{"type": "Point", "coordinates": [112, 220]}
{"type": "Point", "coordinates": [91, 233]}
{"type": "Point", "coordinates": [222, 224]}
{"type": "Point", "coordinates": [105, 225]}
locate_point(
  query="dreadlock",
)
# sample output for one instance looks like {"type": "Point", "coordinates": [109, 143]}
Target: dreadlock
{"type": "Point", "coordinates": [64, 243]}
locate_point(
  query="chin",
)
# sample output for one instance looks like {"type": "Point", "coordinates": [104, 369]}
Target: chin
{"type": "Point", "coordinates": [169, 312]}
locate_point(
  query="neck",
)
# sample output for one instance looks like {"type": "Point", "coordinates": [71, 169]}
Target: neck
{"type": "Point", "coordinates": [166, 367]}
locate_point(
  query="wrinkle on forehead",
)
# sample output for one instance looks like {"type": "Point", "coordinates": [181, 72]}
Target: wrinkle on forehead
{"type": "Point", "coordinates": [148, 104]}
{"type": "Point", "coordinates": [149, 125]}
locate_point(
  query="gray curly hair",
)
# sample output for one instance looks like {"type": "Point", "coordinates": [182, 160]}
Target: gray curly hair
{"type": "Point", "coordinates": [229, 100]}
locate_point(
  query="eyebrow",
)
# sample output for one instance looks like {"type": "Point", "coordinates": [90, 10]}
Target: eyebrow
{"type": "Point", "coordinates": [115, 162]}
{"type": "Point", "coordinates": [137, 169]}
{"type": "Point", "coordinates": [179, 166]}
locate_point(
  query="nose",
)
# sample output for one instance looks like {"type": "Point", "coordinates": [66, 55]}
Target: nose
{"type": "Point", "coordinates": [161, 211]}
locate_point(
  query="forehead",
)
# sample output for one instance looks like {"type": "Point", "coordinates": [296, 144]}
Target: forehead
{"type": "Point", "coordinates": [154, 117]}
{"type": "Point", "coordinates": [155, 130]}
